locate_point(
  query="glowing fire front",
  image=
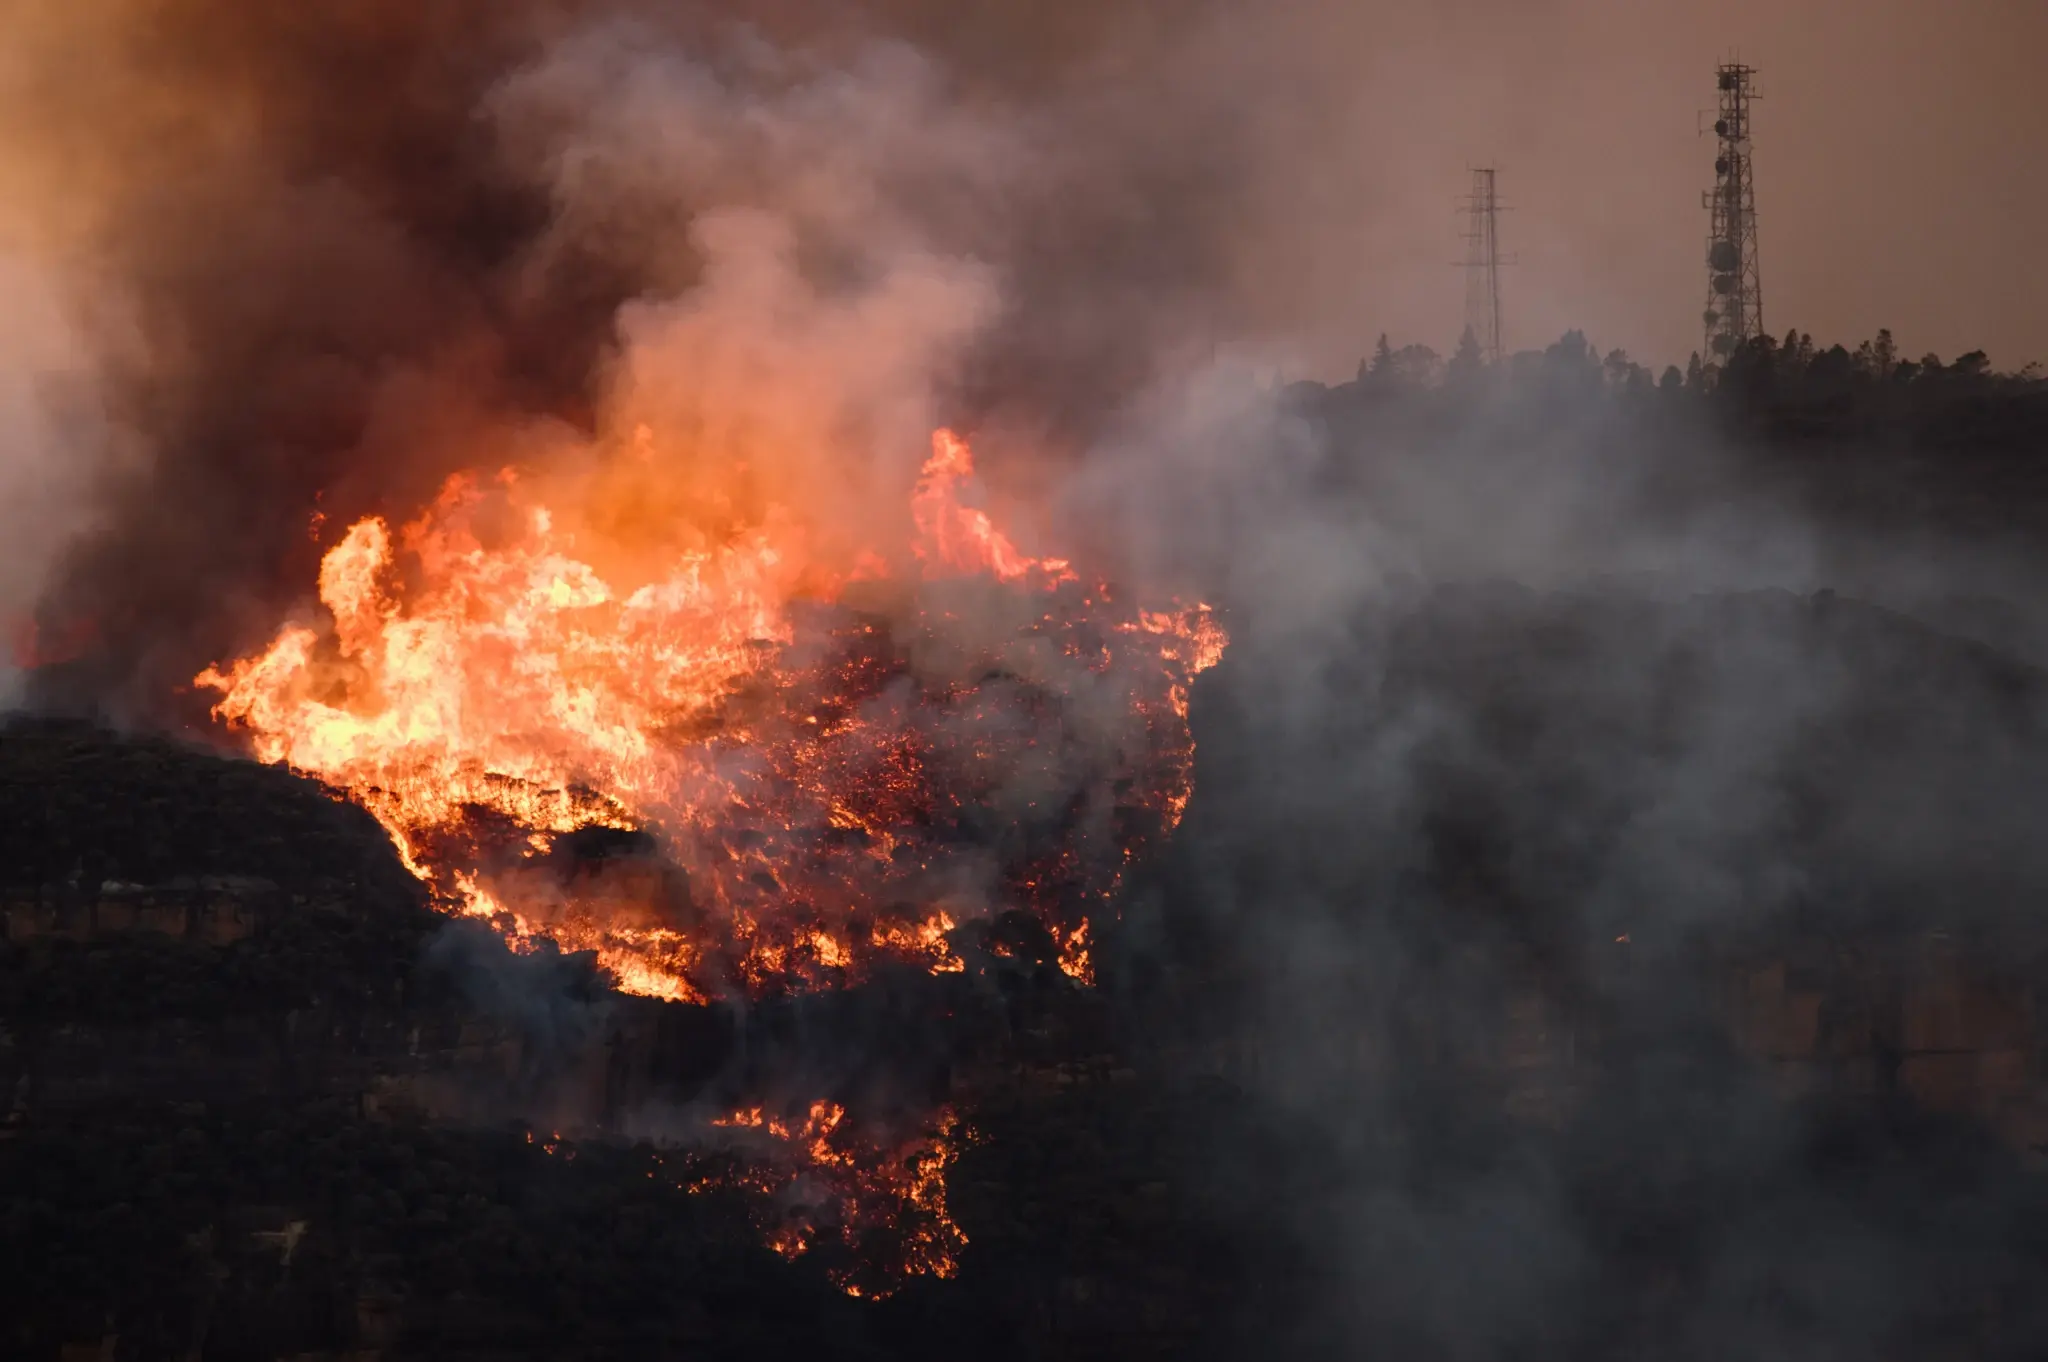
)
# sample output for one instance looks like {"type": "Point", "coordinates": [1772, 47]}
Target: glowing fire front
{"type": "Point", "coordinates": [837, 768]}
{"type": "Point", "coordinates": [754, 771]}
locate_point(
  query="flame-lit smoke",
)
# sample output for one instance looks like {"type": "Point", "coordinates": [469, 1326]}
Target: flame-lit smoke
{"type": "Point", "coordinates": [43, 471]}
{"type": "Point", "coordinates": [346, 248]}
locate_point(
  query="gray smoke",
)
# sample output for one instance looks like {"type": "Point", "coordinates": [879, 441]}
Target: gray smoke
{"type": "Point", "coordinates": [1507, 683]}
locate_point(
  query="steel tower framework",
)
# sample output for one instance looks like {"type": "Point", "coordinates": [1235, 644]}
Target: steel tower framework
{"type": "Point", "coordinates": [1482, 209]}
{"type": "Point", "coordinates": [1735, 292]}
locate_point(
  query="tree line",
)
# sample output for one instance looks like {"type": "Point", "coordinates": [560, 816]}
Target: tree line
{"type": "Point", "coordinates": [1765, 365]}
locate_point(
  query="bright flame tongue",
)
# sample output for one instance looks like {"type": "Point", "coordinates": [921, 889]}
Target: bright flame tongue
{"type": "Point", "coordinates": [829, 787]}
{"type": "Point", "coordinates": [838, 787]}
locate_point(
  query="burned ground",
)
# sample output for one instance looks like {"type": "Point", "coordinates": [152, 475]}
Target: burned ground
{"type": "Point", "coordinates": [1795, 1111]}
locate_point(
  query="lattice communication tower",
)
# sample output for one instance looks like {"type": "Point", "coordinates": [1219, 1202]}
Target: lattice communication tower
{"type": "Point", "coordinates": [1735, 291]}
{"type": "Point", "coordinates": [1482, 209]}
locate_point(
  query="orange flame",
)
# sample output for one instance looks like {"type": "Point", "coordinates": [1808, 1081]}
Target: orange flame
{"type": "Point", "coordinates": [1074, 961]}
{"type": "Point", "coordinates": [807, 765]}
{"type": "Point", "coordinates": [819, 1173]}
{"type": "Point", "coordinates": [484, 691]}
{"type": "Point", "coordinates": [958, 539]}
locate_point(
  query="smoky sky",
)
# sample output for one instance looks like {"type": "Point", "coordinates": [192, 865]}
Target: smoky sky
{"type": "Point", "coordinates": [323, 257]}
{"type": "Point", "coordinates": [304, 259]}
{"type": "Point", "coordinates": [311, 258]}
{"type": "Point", "coordinates": [1896, 179]}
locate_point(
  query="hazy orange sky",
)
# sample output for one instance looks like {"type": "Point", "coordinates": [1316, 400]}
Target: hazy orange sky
{"type": "Point", "coordinates": [315, 247]}
{"type": "Point", "coordinates": [1898, 156]}
{"type": "Point", "coordinates": [1900, 181]}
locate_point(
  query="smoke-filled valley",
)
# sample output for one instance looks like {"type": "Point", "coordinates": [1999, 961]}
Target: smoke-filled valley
{"type": "Point", "coordinates": [685, 682]}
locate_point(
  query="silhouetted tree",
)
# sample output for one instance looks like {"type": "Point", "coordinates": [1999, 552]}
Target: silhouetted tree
{"type": "Point", "coordinates": [1624, 374]}
{"type": "Point", "coordinates": [1796, 353]}
{"type": "Point", "coordinates": [1783, 397]}
{"type": "Point", "coordinates": [1381, 365]}
{"type": "Point", "coordinates": [1749, 380]}
{"type": "Point", "coordinates": [1417, 366]}
{"type": "Point", "coordinates": [1571, 351]}
{"type": "Point", "coordinates": [1467, 361]}
{"type": "Point", "coordinates": [1830, 374]}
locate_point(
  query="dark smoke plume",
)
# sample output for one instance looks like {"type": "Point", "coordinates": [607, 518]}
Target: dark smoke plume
{"type": "Point", "coordinates": [328, 253]}
{"type": "Point", "coordinates": [317, 256]}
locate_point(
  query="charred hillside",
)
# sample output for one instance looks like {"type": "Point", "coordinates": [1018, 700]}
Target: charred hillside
{"type": "Point", "coordinates": [1641, 952]}
{"type": "Point", "coordinates": [266, 1102]}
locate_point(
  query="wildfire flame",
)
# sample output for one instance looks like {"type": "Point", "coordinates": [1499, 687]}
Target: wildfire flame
{"type": "Point", "coordinates": [814, 796]}
{"type": "Point", "coordinates": [830, 762]}
{"type": "Point", "coordinates": [816, 1175]}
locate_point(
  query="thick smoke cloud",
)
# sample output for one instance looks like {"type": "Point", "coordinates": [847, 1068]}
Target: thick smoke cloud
{"type": "Point", "coordinates": [797, 318]}
{"type": "Point", "coordinates": [357, 248]}
{"type": "Point", "coordinates": [353, 248]}
{"type": "Point", "coordinates": [296, 221]}
{"type": "Point", "coordinates": [48, 436]}
{"type": "Point", "coordinates": [341, 262]}
{"type": "Point", "coordinates": [1542, 726]}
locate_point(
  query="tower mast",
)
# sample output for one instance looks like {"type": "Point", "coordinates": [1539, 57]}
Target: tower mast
{"type": "Point", "coordinates": [1482, 209]}
{"type": "Point", "coordinates": [1735, 293]}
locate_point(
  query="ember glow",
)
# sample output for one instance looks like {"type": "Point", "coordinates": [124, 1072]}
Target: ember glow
{"type": "Point", "coordinates": [884, 1202]}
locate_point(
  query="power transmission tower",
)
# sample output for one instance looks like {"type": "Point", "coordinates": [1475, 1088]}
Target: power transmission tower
{"type": "Point", "coordinates": [1482, 209]}
{"type": "Point", "coordinates": [1735, 291]}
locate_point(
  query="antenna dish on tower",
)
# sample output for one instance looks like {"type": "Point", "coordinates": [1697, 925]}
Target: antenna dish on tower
{"type": "Point", "coordinates": [1735, 294]}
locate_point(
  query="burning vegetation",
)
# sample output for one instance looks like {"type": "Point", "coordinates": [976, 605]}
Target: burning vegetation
{"type": "Point", "coordinates": [839, 766]}
{"type": "Point", "coordinates": [884, 1203]}
{"type": "Point", "coordinates": [763, 771]}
